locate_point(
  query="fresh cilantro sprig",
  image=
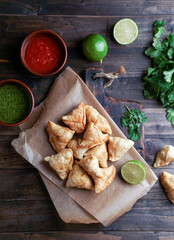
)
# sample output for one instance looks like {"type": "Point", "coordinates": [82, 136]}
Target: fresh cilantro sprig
{"type": "Point", "coordinates": [133, 120]}
{"type": "Point", "coordinates": [170, 115]}
{"type": "Point", "coordinates": [159, 80]}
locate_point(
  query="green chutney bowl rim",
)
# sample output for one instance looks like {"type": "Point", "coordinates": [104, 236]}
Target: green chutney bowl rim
{"type": "Point", "coordinates": [30, 94]}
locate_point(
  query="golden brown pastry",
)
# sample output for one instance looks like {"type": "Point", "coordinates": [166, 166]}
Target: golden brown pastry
{"type": "Point", "coordinates": [102, 176]}
{"type": "Point", "coordinates": [78, 151]}
{"type": "Point", "coordinates": [76, 120]}
{"type": "Point", "coordinates": [93, 137]}
{"type": "Point", "coordinates": [92, 115]}
{"type": "Point", "coordinates": [117, 147]}
{"type": "Point", "coordinates": [164, 156]}
{"type": "Point", "coordinates": [61, 162]}
{"type": "Point", "coordinates": [79, 178]}
{"type": "Point", "coordinates": [91, 165]}
{"type": "Point", "coordinates": [101, 153]}
{"type": "Point", "coordinates": [167, 180]}
{"type": "Point", "coordinates": [59, 136]}
{"type": "Point", "coordinates": [106, 179]}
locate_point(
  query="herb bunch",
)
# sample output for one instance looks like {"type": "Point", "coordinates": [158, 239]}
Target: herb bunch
{"type": "Point", "coordinates": [133, 120]}
{"type": "Point", "coordinates": [159, 81]}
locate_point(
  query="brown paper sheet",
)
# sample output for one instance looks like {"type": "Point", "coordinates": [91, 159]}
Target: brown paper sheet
{"type": "Point", "coordinates": [67, 92]}
{"type": "Point", "coordinates": [73, 213]}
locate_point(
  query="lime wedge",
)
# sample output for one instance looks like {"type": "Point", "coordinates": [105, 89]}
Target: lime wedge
{"type": "Point", "coordinates": [125, 31]}
{"type": "Point", "coordinates": [133, 172]}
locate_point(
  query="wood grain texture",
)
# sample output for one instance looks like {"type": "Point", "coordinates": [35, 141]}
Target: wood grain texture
{"type": "Point", "coordinates": [39, 216]}
{"type": "Point", "coordinates": [31, 188]}
{"type": "Point", "coordinates": [20, 7]}
{"type": "Point", "coordinates": [109, 235]}
{"type": "Point", "coordinates": [114, 107]}
{"type": "Point", "coordinates": [87, 7]}
{"type": "Point", "coordinates": [114, 8]}
{"type": "Point", "coordinates": [25, 205]}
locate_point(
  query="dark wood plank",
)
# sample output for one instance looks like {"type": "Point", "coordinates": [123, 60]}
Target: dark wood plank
{"type": "Point", "coordinates": [114, 8]}
{"type": "Point", "coordinates": [71, 28]}
{"type": "Point", "coordinates": [146, 215]}
{"type": "Point", "coordinates": [24, 202]}
{"type": "Point", "coordinates": [32, 188]}
{"type": "Point", "coordinates": [102, 235]}
{"type": "Point", "coordinates": [72, 31]}
{"type": "Point", "coordinates": [28, 216]}
{"type": "Point", "coordinates": [9, 158]}
{"type": "Point", "coordinates": [20, 7]}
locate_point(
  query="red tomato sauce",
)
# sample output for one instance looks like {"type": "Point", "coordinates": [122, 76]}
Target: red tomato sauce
{"type": "Point", "coordinates": [43, 54]}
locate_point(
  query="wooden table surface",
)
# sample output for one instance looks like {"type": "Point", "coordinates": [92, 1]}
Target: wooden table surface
{"type": "Point", "coordinates": [26, 210]}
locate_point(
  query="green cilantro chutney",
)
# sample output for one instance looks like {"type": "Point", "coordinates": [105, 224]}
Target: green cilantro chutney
{"type": "Point", "coordinates": [14, 103]}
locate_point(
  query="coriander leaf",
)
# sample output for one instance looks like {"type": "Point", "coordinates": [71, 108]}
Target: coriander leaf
{"type": "Point", "coordinates": [171, 96]}
{"type": "Point", "coordinates": [155, 53]}
{"type": "Point", "coordinates": [148, 94]}
{"type": "Point", "coordinates": [159, 31]}
{"type": "Point", "coordinates": [133, 120]}
{"type": "Point", "coordinates": [150, 71]}
{"type": "Point", "coordinates": [133, 134]}
{"type": "Point", "coordinates": [124, 122]}
{"type": "Point", "coordinates": [162, 64]}
{"type": "Point", "coordinates": [167, 98]}
{"type": "Point", "coordinates": [152, 53]}
{"type": "Point", "coordinates": [156, 43]}
{"type": "Point", "coordinates": [149, 50]}
{"type": "Point", "coordinates": [168, 75]}
{"type": "Point", "coordinates": [170, 38]}
{"type": "Point", "coordinates": [158, 23]}
{"type": "Point", "coordinates": [170, 53]}
{"type": "Point", "coordinates": [159, 80]}
{"type": "Point", "coordinates": [165, 43]}
{"type": "Point", "coordinates": [170, 115]}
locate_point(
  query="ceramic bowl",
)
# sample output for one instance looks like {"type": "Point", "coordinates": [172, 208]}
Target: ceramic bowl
{"type": "Point", "coordinates": [53, 35]}
{"type": "Point", "coordinates": [27, 92]}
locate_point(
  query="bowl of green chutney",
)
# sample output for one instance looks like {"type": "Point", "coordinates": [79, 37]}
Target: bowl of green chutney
{"type": "Point", "coordinates": [16, 102]}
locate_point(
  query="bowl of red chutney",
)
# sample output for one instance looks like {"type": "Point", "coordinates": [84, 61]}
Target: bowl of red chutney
{"type": "Point", "coordinates": [43, 53]}
{"type": "Point", "coordinates": [16, 102]}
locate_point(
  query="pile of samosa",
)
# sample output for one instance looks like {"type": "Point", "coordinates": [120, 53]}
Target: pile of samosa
{"type": "Point", "coordinates": [164, 157]}
{"type": "Point", "coordinates": [84, 160]}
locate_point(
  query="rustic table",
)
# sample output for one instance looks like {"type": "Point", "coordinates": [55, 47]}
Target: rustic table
{"type": "Point", "coordinates": [26, 210]}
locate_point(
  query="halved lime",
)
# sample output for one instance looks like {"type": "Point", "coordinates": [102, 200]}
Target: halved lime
{"type": "Point", "coordinates": [125, 31]}
{"type": "Point", "coordinates": [95, 47]}
{"type": "Point", "coordinates": [133, 172]}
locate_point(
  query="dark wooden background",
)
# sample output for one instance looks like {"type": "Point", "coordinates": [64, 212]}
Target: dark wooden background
{"type": "Point", "coordinates": [26, 210]}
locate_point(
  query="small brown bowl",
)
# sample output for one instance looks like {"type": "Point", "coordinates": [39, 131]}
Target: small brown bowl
{"type": "Point", "coordinates": [27, 92]}
{"type": "Point", "coordinates": [53, 35]}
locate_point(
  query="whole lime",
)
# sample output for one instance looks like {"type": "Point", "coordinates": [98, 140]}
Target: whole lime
{"type": "Point", "coordinates": [94, 47]}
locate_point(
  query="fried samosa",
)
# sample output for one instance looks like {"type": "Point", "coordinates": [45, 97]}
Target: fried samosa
{"type": "Point", "coordinates": [101, 153]}
{"type": "Point", "coordinates": [61, 162]}
{"type": "Point", "coordinates": [78, 151]}
{"type": "Point", "coordinates": [167, 180]}
{"type": "Point", "coordinates": [79, 178]}
{"type": "Point", "coordinates": [93, 137]}
{"type": "Point", "coordinates": [164, 156]}
{"type": "Point", "coordinates": [92, 115]}
{"type": "Point", "coordinates": [59, 136]}
{"type": "Point", "coordinates": [102, 177]}
{"type": "Point", "coordinates": [106, 179]}
{"type": "Point", "coordinates": [91, 165]}
{"type": "Point", "coordinates": [76, 120]}
{"type": "Point", "coordinates": [117, 147]}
